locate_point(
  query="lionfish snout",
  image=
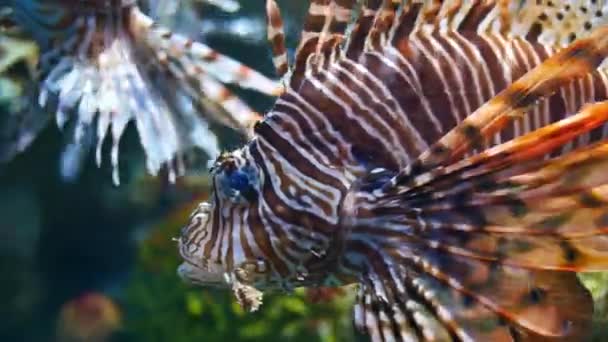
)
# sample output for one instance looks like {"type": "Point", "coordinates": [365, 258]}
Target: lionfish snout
{"type": "Point", "coordinates": [196, 268]}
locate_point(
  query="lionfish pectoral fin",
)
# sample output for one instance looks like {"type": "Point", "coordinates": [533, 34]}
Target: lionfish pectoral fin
{"type": "Point", "coordinates": [513, 205]}
{"type": "Point", "coordinates": [445, 298]}
{"type": "Point", "coordinates": [531, 303]}
{"type": "Point", "coordinates": [387, 313]}
{"type": "Point", "coordinates": [490, 244]}
{"type": "Point", "coordinates": [248, 297]}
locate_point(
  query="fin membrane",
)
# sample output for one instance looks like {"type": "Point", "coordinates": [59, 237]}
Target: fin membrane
{"type": "Point", "coordinates": [444, 298]}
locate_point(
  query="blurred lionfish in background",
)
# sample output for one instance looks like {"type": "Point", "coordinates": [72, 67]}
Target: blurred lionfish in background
{"type": "Point", "coordinates": [105, 63]}
{"type": "Point", "coordinates": [450, 157]}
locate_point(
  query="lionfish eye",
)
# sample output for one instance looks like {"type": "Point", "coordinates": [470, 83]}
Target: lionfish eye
{"type": "Point", "coordinates": [239, 184]}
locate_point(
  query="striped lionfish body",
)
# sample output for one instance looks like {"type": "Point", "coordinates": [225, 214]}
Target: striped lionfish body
{"type": "Point", "coordinates": [104, 63]}
{"type": "Point", "coordinates": [448, 156]}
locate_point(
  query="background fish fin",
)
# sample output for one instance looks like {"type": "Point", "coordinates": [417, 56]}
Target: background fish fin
{"type": "Point", "coordinates": [229, 110]}
{"type": "Point", "coordinates": [112, 67]}
{"type": "Point", "coordinates": [192, 57]}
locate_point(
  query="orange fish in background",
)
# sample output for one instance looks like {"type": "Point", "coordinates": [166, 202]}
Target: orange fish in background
{"type": "Point", "coordinates": [92, 317]}
{"type": "Point", "coordinates": [450, 157]}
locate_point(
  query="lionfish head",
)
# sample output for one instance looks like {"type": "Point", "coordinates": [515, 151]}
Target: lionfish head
{"type": "Point", "coordinates": [212, 243]}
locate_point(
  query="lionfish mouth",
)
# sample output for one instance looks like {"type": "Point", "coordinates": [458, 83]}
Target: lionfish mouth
{"type": "Point", "coordinates": [196, 275]}
{"type": "Point", "coordinates": [196, 269]}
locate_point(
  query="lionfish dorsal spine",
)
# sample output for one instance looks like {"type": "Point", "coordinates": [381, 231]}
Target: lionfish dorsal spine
{"type": "Point", "coordinates": [323, 32]}
{"type": "Point", "coordinates": [276, 38]}
{"type": "Point", "coordinates": [380, 32]}
{"type": "Point", "coordinates": [437, 36]}
{"type": "Point", "coordinates": [575, 62]}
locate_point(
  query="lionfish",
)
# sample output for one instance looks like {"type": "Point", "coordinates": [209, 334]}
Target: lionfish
{"type": "Point", "coordinates": [104, 63]}
{"type": "Point", "coordinates": [450, 157]}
